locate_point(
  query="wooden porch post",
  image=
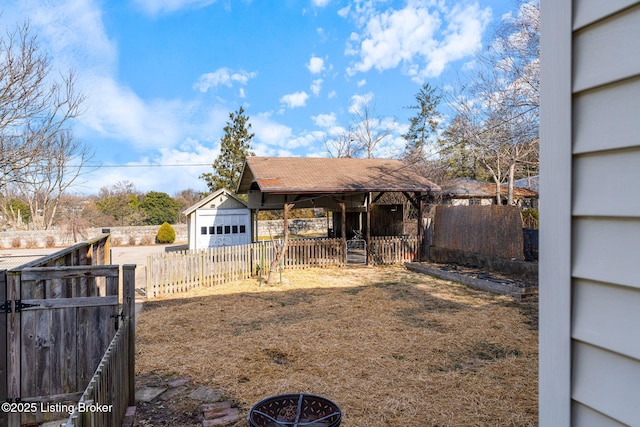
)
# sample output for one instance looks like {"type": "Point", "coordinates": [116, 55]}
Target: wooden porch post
{"type": "Point", "coordinates": [343, 225]}
{"type": "Point", "coordinates": [420, 227]}
{"type": "Point", "coordinates": [367, 236]}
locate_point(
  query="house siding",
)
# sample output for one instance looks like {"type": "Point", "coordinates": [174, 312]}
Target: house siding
{"type": "Point", "coordinates": [593, 312]}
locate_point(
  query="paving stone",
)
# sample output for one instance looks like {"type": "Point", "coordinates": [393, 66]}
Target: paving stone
{"type": "Point", "coordinates": [171, 393]}
{"type": "Point", "coordinates": [147, 394]}
{"type": "Point", "coordinates": [129, 417]}
{"type": "Point", "coordinates": [230, 416]}
{"type": "Point", "coordinates": [215, 407]}
{"type": "Point", "coordinates": [206, 395]}
{"type": "Point", "coordinates": [217, 413]}
{"type": "Point", "coordinates": [179, 382]}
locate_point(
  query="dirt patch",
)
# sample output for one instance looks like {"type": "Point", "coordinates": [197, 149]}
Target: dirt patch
{"type": "Point", "coordinates": [390, 346]}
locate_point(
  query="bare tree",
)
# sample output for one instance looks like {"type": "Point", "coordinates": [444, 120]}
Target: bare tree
{"type": "Point", "coordinates": [366, 132]}
{"type": "Point", "coordinates": [35, 110]}
{"type": "Point", "coordinates": [369, 130]}
{"type": "Point", "coordinates": [497, 113]}
{"type": "Point", "coordinates": [43, 181]}
{"type": "Point", "coordinates": [342, 145]}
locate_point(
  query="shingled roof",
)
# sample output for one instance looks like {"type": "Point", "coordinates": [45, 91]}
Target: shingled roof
{"type": "Point", "coordinates": [469, 188]}
{"type": "Point", "coordinates": [305, 175]}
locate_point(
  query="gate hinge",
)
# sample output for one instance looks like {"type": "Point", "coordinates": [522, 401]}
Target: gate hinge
{"type": "Point", "coordinates": [6, 307]}
{"type": "Point", "coordinates": [20, 305]}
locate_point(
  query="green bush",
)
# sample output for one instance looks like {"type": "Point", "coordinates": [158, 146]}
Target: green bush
{"type": "Point", "coordinates": [166, 234]}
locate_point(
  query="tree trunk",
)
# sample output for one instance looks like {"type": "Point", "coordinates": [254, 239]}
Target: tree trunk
{"type": "Point", "coordinates": [282, 248]}
{"type": "Point", "coordinates": [498, 192]}
{"type": "Point", "coordinates": [512, 172]}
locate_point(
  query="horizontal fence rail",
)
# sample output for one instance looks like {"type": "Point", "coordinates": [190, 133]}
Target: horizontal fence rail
{"type": "Point", "coordinates": [174, 272]}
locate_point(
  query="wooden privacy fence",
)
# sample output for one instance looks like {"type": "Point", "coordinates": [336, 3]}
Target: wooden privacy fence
{"type": "Point", "coordinates": [487, 230]}
{"type": "Point", "coordinates": [59, 315]}
{"type": "Point", "coordinates": [181, 271]}
{"type": "Point", "coordinates": [111, 390]}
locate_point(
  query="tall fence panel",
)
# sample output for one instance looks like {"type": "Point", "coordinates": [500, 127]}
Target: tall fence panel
{"type": "Point", "coordinates": [58, 318]}
{"type": "Point", "coordinates": [61, 323]}
{"type": "Point", "coordinates": [487, 230]}
{"type": "Point", "coordinates": [111, 389]}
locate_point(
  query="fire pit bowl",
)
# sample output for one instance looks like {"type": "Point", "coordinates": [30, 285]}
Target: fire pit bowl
{"type": "Point", "coordinates": [295, 410]}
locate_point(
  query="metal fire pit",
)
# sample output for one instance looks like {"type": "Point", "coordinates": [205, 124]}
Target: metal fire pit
{"type": "Point", "coordinates": [295, 410]}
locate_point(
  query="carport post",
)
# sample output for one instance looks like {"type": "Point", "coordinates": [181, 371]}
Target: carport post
{"type": "Point", "coordinates": [420, 226]}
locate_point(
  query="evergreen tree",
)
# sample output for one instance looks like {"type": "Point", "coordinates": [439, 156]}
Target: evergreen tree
{"type": "Point", "coordinates": [235, 146]}
{"type": "Point", "coordinates": [159, 207]}
{"type": "Point", "coordinates": [424, 124]}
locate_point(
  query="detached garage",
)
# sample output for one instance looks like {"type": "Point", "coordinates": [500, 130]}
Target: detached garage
{"type": "Point", "coordinates": [220, 219]}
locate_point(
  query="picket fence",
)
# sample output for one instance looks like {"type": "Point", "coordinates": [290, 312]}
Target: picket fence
{"type": "Point", "coordinates": [180, 271]}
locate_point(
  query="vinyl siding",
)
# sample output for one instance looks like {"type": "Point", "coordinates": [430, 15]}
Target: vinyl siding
{"type": "Point", "coordinates": [604, 216]}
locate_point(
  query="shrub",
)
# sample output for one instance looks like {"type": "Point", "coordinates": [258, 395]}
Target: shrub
{"type": "Point", "coordinates": [15, 242]}
{"type": "Point", "coordinates": [166, 234]}
{"type": "Point", "coordinates": [50, 241]}
{"type": "Point", "coordinates": [132, 240]}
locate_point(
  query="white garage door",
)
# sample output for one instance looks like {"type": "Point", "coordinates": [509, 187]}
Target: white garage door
{"type": "Point", "coordinates": [223, 229]}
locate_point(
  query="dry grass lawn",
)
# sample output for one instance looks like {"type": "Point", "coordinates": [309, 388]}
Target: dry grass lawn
{"type": "Point", "coordinates": [391, 347]}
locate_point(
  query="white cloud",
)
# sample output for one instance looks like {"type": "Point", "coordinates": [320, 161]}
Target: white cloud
{"type": "Point", "coordinates": [422, 38]}
{"type": "Point", "coordinates": [315, 65]}
{"type": "Point", "coordinates": [359, 101]}
{"type": "Point", "coordinates": [295, 100]}
{"type": "Point", "coordinates": [156, 7]}
{"type": "Point", "coordinates": [362, 82]}
{"type": "Point", "coordinates": [321, 3]}
{"type": "Point", "coordinates": [268, 131]}
{"type": "Point", "coordinates": [325, 120]}
{"type": "Point", "coordinates": [316, 86]}
{"type": "Point", "coordinates": [222, 76]}
{"type": "Point", "coordinates": [116, 111]}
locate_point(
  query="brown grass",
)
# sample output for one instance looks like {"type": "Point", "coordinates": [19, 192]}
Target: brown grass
{"type": "Point", "coordinates": [389, 346]}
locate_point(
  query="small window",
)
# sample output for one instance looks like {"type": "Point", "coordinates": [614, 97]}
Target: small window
{"type": "Point", "coordinates": [227, 229]}
{"type": "Point", "coordinates": [219, 229]}
{"type": "Point", "coordinates": [243, 229]}
{"type": "Point", "coordinates": [234, 229]}
{"type": "Point", "coordinates": [203, 230]}
{"type": "Point", "coordinates": [211, 230]}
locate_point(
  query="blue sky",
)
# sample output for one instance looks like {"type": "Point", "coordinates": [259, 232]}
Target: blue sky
{"type": "Point", "coordinates": [162, 76]}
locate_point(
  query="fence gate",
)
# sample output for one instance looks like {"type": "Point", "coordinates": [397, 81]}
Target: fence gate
{"type": "Point", "coordinates": [356, 251]}
{"type": "Point", "coordinates": [59, 323]}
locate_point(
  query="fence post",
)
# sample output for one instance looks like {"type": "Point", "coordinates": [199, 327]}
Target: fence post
{"type": "Point", "coordinates": [129, 312]}
{"type": "Point", "coordinates": [3, 340]}
{"type": "Point", "coordinates": [13, 345]}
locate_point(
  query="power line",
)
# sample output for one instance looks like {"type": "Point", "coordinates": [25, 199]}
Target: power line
{"type": "Point", "coordinates": [158, 165]}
